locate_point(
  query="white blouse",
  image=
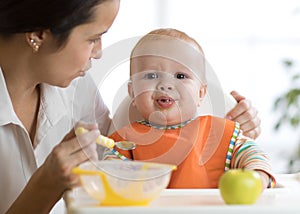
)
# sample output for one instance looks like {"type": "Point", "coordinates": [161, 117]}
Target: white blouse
{"type": "Point", "coordinates": [59, 109]}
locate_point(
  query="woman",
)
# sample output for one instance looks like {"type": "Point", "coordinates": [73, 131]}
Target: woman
{"type": "Point", "coordinates": [42, 54]}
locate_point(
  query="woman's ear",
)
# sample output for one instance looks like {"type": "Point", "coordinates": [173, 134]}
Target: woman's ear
{"type": "Point", "coordinates": [35, 40]}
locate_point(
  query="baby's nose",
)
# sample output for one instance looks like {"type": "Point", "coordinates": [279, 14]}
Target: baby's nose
{"type": "Point", "coordinates": [164, 86]}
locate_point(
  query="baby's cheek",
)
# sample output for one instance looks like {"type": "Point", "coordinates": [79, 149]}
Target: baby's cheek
{"type": "Point", "coordinates": [192, 96]}
{"type": "Point", "coordinates": [142, 88]}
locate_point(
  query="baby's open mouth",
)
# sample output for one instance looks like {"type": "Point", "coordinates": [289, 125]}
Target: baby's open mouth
{"type": "Point", "coordinates": [165, 102]}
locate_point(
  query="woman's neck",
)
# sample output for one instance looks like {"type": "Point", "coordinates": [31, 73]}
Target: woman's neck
{"type": "Point", "coordinates": [26, 107]}
{"type": "Point", "coordinates": [22, 87]}
{"type": "Point", "coordinates": [25, 97]}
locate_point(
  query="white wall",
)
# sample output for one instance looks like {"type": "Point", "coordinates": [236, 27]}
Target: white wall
{"type": "Point", "coordinates": [245, 41]}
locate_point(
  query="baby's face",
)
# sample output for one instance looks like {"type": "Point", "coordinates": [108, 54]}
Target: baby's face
{"type": "Point", "coordinates": [165, 92]}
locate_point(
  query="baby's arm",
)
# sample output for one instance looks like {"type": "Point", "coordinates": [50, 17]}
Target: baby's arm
{"type": "Point", "coordinates": [267, 181]}
{"type": "Point", "coordinates": [246, 154]}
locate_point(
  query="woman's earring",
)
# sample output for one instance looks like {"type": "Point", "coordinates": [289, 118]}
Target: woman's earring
{"type": "Point", "coordinates": [34, 45]}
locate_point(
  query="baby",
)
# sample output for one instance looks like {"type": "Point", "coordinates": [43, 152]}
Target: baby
{"type": "Point", "coordinates": [167, 85]}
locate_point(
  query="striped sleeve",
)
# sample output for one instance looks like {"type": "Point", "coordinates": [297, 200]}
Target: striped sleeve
{"type": "Point", "coordinates": [247, 155]}
{"type": "Point", "coordinates": [116, 153]}
{"type": "Point", "coordinates": [108, 154]}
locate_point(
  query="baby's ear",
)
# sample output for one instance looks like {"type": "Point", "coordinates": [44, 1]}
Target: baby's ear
{"type": "Point", "coordinates": [202, 93]}
{"type": "Point", "coordinates": [130, 90]}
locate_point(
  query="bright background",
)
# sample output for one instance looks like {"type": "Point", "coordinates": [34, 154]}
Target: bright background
{"type": "Point", "coordinates": [245, 41]}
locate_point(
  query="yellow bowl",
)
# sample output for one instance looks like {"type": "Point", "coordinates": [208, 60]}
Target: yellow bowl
{"type": "Point", "coordinates": [124, 183]}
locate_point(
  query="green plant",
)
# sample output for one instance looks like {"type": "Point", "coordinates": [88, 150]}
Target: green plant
{"type": "Point", "coordinates": [288, 104]}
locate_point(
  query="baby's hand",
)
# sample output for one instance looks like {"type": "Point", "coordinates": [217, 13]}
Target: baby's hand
{"type": "Point", "coordinates": [246, 114]}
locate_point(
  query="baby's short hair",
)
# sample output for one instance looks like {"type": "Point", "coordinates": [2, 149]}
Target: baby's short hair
{"type": "Point", "coordinates": [171, 33]}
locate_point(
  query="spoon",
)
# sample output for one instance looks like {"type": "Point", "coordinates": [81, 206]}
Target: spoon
{"type": "Point", "coordinates": [108, 142]}
{"type": "Point", "coordinates": [125, 145]}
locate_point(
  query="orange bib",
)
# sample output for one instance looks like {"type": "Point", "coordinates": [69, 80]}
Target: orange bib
{"type": "Point", "coordinates": [198, 149]}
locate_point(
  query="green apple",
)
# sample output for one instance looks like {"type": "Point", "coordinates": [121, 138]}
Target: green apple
{"type": "Point", "coordinates": [240, 186]}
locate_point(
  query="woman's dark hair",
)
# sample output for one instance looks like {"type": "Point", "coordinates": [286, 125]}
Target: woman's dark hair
{"type": "Point", "coordinates": [59, 16]}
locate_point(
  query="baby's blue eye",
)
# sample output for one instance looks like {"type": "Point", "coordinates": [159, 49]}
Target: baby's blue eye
{"type": "Point", "coordinates": [180, 76]}
{"type": "Point", "coordinates": [151, 76]}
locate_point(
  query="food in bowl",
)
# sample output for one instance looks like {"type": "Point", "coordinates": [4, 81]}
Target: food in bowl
{"type": "Point", "coordinates": [124, 183]}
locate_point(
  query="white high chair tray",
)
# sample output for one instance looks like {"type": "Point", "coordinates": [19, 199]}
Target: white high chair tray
{"type": "Point", "coordinates": [207, 201]}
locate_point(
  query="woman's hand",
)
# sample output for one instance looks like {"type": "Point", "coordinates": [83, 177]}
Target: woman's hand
{"type": "Point", "coordinates": [48, 184]}
{"type": "Point", "coordinates": [71, 152]}
{"type": "Point", "coordinates": [246, 115]}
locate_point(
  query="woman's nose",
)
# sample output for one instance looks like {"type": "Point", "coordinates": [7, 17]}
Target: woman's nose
{"type": "Point", "coordinates": [97, 54]}
{"type": "Point", "coordinates": [97, 51]}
